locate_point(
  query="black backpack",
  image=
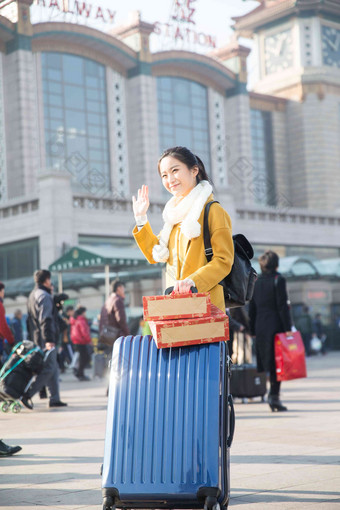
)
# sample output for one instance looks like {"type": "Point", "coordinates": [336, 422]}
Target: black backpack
{"type": "Point", "coordinates": [238, 285]}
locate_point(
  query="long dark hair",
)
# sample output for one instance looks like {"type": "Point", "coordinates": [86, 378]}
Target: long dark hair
{"type": "Point", "coordinates": [189, 159]}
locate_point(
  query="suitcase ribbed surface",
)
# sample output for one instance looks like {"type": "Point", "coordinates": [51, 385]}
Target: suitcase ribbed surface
{"type": "Point", "coordinates": [163, 422]}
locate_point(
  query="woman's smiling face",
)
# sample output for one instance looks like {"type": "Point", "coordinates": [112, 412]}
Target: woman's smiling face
{"type": "Point", "coordinates": [176, 177]}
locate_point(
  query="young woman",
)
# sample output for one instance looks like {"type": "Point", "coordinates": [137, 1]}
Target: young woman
{"type": "Point", "coordinates": [81, 338]}
{"type": "Point", "coordinates": [180, 243]}
{"type": "Point", "coordinates": [269, 314]}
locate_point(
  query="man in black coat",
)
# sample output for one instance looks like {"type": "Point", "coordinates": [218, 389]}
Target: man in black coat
{"type": "Point", "coordinates": [44, 331]}
{"type": "Point", "coordinates": [269, 314]}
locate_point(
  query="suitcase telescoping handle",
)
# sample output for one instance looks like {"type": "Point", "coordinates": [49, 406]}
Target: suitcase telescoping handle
{"type": "Point", "coordinates": [232, 421]}
{"type": "Point", "coordinates": [167, 291]}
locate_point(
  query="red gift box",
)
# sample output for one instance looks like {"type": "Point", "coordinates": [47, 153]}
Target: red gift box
{"type": "Point", "coordinates": [176, 306]}
{"type": "Point", "coordinates": [289, 356]}
{"type": "Point", "coordinates": [182, 332]}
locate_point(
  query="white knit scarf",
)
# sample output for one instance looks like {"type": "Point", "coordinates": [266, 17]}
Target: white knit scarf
{"type": "Point", "coordinates": [186, 212]}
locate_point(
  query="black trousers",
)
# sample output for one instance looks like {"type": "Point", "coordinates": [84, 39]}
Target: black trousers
{"type": "Point", "coordinates": [274, 383]}
{"type": "Point", "coordinates": [84, 358]}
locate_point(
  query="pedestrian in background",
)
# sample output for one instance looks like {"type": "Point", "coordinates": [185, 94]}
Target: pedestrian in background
{"type": "Point", "coordinates": [5, 332]}
{"type": "Point", "coordinates": [43, 330]}
{"type": "Point", "coordinates": [66, 346]}
{"type": "Point", "coordinates": [16, 325]}
{"type": "Point", "coordinates": [319, 331]}
{"type": "Point", "coordinates": [59, 300]}
{"type": "Point", "coordinates": [81, 339]}
{"type": "Point", "coordinates": [113, 312]}
{"type": "Point", "coordinates": [242, 341]}
{"type": "Point", "coordinates": [234, 328]}
{"type": "Point", "coordinates": [304, 324]}
{"type": "Point", "coordinates": [269, 314]}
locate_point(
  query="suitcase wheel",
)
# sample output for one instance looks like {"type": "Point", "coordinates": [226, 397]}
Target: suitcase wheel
{"type": "Point", "coordinates": [211, 503]}
{"type": "Point", "coordinates": [108, 504]}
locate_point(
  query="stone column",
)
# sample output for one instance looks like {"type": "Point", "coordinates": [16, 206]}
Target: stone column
{"type": "Point", "coordinates": [143, 141]}
{"type": "Point", "coordinates": [3, 156]}
{"type": "Point", "coordinates": [116, 92]}
{"type": "Point", "coordinates": [141, 100]}
{"type": "Point", "coordinates": [219, 149]}
{"type": "Point", "coordinates": [21, 113]}
{"type": "Point", "coordinates": [57, 232]}
{"type": "Point", "coordinates": [238, 147]}
{"type": "Point", "coordinates": [237, 139]}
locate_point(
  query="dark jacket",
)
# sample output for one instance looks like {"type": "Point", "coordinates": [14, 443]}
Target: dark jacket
{"type": "Point", "coordinates": [318, 328]}
{"type": "Point", "coordinates": [113, 314]}
{"type": "Point", "coordinates": [304, 324]}
{"type": "Point", "coordinates": [41, 321]}
{"type": "Point", "coordinates": [16, 325]}
{"type": "Point", "coordinates": [269, 314]}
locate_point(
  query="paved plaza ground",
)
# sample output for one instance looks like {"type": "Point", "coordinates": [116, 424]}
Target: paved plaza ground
{"type": "Point", "coordinates": [279, 461]}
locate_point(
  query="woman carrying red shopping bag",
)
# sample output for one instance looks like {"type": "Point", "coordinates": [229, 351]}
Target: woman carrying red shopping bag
{"type": "Point", "coordinates": [269, 314]}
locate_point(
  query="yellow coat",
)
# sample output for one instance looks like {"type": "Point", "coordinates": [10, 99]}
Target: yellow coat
{"type": "Point", "coordinates": [187, 258]}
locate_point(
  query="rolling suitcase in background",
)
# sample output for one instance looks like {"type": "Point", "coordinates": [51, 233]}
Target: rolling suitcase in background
{"type": "Point", "coordinates": [100, 363]}
{"type": "Point", "coordinates": [170, 423]}
{"type": "Point", "coordinates": [246, 381]}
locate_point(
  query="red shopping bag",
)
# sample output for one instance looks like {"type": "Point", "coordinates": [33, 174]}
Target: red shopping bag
{"type": "Point", "coordinates": [289, 356]}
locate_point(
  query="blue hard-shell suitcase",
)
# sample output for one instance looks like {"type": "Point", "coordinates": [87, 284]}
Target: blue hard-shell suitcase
{"type": "Point", "coordinates": [170, 423]}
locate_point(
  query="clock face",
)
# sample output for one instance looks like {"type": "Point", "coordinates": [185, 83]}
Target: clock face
{"type": "Point", "coordinates": [330, 46]}
{"type": "Point", "coordinates": [278, 51]}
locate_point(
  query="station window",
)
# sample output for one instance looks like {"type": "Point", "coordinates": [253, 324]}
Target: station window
{"type": "Point", "coordinates": [19, 259]}
{"type": "Point", "coordinates": [76, 126]}
{"type": "Point", "coordinates": [183, 116]}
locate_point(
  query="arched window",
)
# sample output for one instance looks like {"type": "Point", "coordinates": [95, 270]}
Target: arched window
{"type": "Point", "coordinates": [75, 120]}
{"type": "Point", "coordinates": [183, 116]}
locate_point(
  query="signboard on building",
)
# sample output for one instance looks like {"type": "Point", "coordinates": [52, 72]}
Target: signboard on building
{"type": "Point", "coordinates": [180, 31]}
{"type": "Point", "coordinates": [63, 10]}
{"type": "Point", "coordinates": [318, 296]}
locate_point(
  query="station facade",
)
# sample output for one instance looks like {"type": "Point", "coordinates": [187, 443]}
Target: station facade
{"type": "Point", "coordinates": [85, 114]}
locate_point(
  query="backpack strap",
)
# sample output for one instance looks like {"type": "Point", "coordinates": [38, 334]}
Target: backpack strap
{"type": "Point", "coordinates": [206, 234]}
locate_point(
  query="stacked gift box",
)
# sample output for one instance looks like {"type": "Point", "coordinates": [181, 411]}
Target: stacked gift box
{"type": "Point", "coordinates": [184, 319]}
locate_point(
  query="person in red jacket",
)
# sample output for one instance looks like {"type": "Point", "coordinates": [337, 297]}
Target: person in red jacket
{"type": "Point", "coordinates": [81, 338]}
{"type": "Point", "coordinates": [5, 332]}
